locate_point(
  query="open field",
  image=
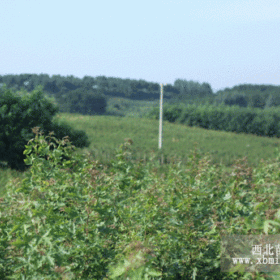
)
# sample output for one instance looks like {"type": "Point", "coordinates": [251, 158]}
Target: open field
{"type": "Point", "coordinates": [107, 132]}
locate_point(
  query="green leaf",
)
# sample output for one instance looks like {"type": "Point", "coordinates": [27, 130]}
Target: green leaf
{"type": "Point", "coordinates": [266, 225]}
{"type": "Point", "coordinates": [227, 196]}
{"type": "Point", "coordinates": [15, 227]}
{"type": "Point", "coordinates": [18, 243]}
{"type": "Point", "coordinates": [152, 272]}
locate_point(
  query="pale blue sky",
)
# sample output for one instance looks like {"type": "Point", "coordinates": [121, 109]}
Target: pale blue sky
{"type": "Point", "coordinates": [221, 42]}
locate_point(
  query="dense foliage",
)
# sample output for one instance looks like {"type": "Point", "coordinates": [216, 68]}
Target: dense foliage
{"type": "Point", "coordinates": [87, 221]}
{"type": "Point", "coordinates": [235, 119]}
{"type": "Point", "coordinates": [247, 95]}
{"type": "Point", "coordinates": [116, 87]}
{"type": "Point", "coordinates": [136, 90]}
{"type": "Point", "coordinates": [83, 101]}
{"type": "Point", "coordinates": [19, 112]}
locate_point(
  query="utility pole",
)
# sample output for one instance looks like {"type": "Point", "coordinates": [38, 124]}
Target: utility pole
{"type": "Point", "coordinates": [160, 117]}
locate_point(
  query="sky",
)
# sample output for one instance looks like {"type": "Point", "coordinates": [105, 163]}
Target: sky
{"type": "Point", "coordinates": [220, 42]}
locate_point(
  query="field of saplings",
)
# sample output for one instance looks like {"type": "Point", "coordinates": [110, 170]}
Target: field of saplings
{"type": "Point", "coordinates": [117, 208]}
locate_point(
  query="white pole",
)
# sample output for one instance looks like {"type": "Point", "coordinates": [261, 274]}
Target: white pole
{"type": "Point", "coordinates": [160, 117]}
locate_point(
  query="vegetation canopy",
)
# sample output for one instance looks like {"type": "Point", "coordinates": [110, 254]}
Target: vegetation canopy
{"type": "Point", "coordinates": [82, 220]}
{"type": "Point", "coordinates": [21, 111]}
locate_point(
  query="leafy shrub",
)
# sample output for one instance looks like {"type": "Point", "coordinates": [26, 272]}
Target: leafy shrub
{"type": "Point", "coordinates": [226, 118]}
{"type": "Point", "coordinates": [84, 221]}
{"type": "Point", "coordinates": [19, 112]}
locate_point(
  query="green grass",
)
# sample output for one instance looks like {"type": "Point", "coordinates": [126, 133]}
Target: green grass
{"type": "Point", "coordinates": [106, 133]}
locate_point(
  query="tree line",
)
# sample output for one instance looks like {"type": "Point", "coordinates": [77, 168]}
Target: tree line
{"type": "Point", "coordinates": [255, 121]}
{"type": "Point", "coordinates": [89, 95]}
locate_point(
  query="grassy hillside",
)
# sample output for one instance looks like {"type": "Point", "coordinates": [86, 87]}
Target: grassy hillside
{"type": "Point", "coordinates": [106, 133]}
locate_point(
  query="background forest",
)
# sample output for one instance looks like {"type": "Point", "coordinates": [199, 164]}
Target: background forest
{"type": "Point", "coordinates": [115, 96]}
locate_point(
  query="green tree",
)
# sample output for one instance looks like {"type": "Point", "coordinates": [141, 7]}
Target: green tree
{"type": "Point", "coordinates": [256, 100]}
{"type": "Point", "coordinates": [88, 82]}
{"type": "Point", "coordinates": [102, 82]}
{"type": "Point", "coordinates": [192, 90]}
{"type": "Point", "coordinates": [19, 113]}
{"type": "Point", "coordinates": [51, 87]}
{"type": "Point", "coordinates": [83, 101]}
{"type": "Point", "coordinates": [273, 100]}
{"type": "Point", "coordinates": [236, 99]}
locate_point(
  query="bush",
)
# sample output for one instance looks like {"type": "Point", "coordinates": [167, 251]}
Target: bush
{"type": "Point", "coordinates": [65, 237]}
{"type": "Point", "coordinates": [84, 221]}
{"type": "Point", "coordinates": [21, 111]}
{"type": "Point", "coordinates": [226, 118]}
